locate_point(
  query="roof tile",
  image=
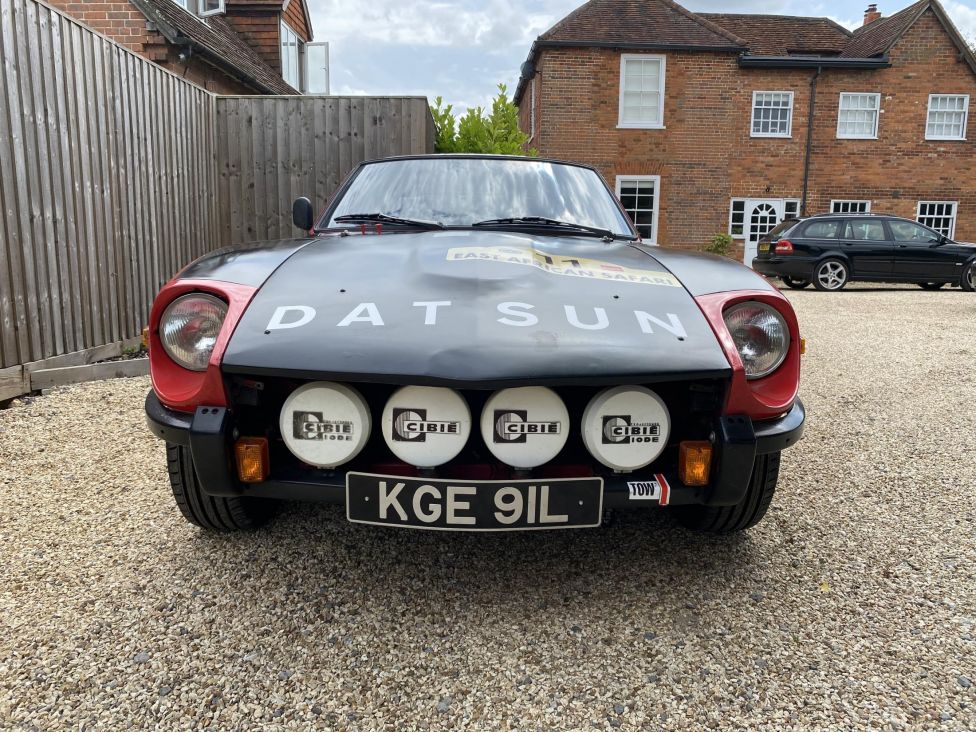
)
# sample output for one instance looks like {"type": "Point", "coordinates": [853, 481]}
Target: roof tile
{"type": "Point", "coordinates": [781, 35]}
{"type": "Point", "coordinates": [215, 36]}
{"type": "Point", "coordinates": [650, 23]}
{"type": "Point", "coordinates": [877, 37]}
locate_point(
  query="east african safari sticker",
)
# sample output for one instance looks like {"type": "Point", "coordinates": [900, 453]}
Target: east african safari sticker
{"type": "Point", "coordinates": [567, 266]}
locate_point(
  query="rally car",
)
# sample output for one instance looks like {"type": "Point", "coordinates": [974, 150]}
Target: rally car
{"type": "Point", "coordinates": [472, 343]}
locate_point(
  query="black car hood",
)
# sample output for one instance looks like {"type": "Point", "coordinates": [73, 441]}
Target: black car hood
{"type": "Point", "coordinates": [473, 307]}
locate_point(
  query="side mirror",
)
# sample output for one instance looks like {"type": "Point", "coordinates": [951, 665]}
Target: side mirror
{"type": "Point", "coordinates": [302, 214]}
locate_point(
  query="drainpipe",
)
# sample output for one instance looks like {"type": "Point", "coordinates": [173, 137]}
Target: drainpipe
{"type": "Point", "coordinates": [806, 160]}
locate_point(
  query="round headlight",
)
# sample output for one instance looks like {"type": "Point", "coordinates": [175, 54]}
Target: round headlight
{"type": "Point", "coordinates": [761, 336]}
{"type": "Point", "coordinates": [189, 328]}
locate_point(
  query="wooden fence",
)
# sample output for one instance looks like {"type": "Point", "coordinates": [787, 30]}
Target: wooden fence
{"type": "Point", "coordinates": [271, 150]}
{"type": "Point", "coordinates": [114, 173]}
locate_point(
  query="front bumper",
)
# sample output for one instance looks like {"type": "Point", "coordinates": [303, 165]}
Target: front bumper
{"type": "Point", "coordinates": [209, 433]}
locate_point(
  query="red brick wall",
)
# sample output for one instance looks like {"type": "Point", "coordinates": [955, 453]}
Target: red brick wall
{"type": "Point", "coordinates": [125, 24]}
{"type": "Point", "coordinates": [706, 156]}
{"type": "Point", "coordinates": [900, 168]}
{"type": "Point", "coordinates": [119, 20]}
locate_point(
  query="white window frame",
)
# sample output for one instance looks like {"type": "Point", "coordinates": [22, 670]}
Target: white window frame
{"type": "Point", "coordinates": [752, 116]}
{"type": "Point", "coordinates": [196, 7]}
{"type": "Point", "coordinates": [955, 214]}
{"type": "Point", "coordinates": [285, 28]}
{"type": "Point", "coordinates": [305, 61]}
{"type": "Point", "coordinates": [835, 201]}
{"type": "Point", "coordinates": [786, 201]}
{"type": "Point", "coordinates": [732, 203]}
{"type": "Point", "coordinates": [659, 125]}
{"type": "Point", "coordinates": [656, 180]}
{"type": "Point", "coordinates": [877, 115]}
{"type": "Point", "coordinates": [965, 118]}
{"type": "Point", "coordinates": [206, 13]}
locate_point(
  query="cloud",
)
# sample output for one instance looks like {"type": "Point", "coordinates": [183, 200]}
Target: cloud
{"type": "Point", "coordinates": [964, 18]}
{"type": "Point", "coordinates": [460, 49]}
{"type": "Point", "coordinates": [490, 24]}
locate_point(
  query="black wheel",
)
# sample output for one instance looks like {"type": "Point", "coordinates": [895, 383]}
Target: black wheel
{"type": "Point", "coordinates": [831, 275]}
{"type": "Point", "coordinates": [748, 512]}
{"type": "Point", "coordinates": [930, 285]}
{"type": "Point", "coordinates": [968, 282]}
{"type": "Point", "coordinates": [212, 513]}
{"type": "Point", "coordinates": [794, 283]}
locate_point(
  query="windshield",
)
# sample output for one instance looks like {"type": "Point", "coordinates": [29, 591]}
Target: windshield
{"type": "Point", "coordinates": [465, 191]}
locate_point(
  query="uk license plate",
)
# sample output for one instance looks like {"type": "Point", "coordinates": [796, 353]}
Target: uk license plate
{"type": "Point", "coordinates": [764, 247]}
{"type": "Point", "coordinates": [483, 505]}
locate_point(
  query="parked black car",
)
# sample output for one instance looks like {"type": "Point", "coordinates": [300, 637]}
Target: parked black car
{"type": "Point", "coordinates": [832, 250]}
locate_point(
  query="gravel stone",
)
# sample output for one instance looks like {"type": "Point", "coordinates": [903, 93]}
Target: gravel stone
{"type": "Point", "coordinates": [864, 567]}
{"type": "Point", "coordinates": [964, 681]}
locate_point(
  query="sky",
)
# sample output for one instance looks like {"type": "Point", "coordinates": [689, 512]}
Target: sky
{"type": "Point", "coordinates": [461, 49]}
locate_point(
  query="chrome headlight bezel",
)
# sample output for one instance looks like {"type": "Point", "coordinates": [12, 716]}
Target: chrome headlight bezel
{"type": "Point", "coordinates": [211, 311]}
{"type": "Point", "coordinates": [763, 317]}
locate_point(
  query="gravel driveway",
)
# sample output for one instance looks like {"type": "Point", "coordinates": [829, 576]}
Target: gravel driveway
{"type": "Point", "coordinates": [852, 605]}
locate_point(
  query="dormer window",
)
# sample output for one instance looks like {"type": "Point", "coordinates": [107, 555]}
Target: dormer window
{"type": "Point", "coordinates": [291, 57]}
{"type": "Point", "coordinates": [305, 66]}
{"type": "Point", "coordinates": [203, 8]}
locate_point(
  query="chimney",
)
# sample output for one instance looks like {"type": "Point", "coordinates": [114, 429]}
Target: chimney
{"type": "Point", "coordinates": [871, 14]}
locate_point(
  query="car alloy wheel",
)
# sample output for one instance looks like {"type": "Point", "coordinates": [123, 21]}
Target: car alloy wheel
{"type": "Point", "coordinates": [969, 278]}
{"type": "Point", "coordinates": [831, 275]}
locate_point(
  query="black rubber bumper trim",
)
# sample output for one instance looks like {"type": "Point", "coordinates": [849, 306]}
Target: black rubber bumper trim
{"type": "Point", "coordinates": [735, 445]}
{"type": "Point", "coordinates": [208, 433]}
{"type": "Point", "coordinates": [167, 424]}
{"type": "Point", "coordinates": [210, 444]}
{"type": "Point", "coordinates": [779, 434]}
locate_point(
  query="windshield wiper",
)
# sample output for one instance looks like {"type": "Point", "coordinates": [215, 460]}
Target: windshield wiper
{"type": "Point", "coordinates": [382, 218]}
{"type": "Point", "coordinates": [541, 221]}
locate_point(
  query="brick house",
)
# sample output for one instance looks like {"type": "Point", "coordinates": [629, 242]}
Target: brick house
{"type": "Point", "coordinates": [225, 46]}
{"type": "Point", "coordinates": [711, 122]}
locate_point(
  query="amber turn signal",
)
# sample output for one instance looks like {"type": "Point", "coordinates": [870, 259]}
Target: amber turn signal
{"type": "Point", "coordinates": [694, 462]}
{"type": "Point", "coordinates": [803, 346]}
{"type": "Point", "coordinates": [253, 465]}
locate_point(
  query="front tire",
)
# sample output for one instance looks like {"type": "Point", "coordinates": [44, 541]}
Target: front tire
{"type": "Point", "coordinates": [213, 513]}
{"type": "Point", "coordinates": [748, 512]}
{"type": "Point", "coordinates": [794, 283]}
{"type": "Point", "coordinates": [968, 282]}
{"type": "Point", "coordinates": [831, 275]}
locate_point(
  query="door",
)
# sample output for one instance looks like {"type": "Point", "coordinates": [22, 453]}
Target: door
{"type": "Point", "coordinates": [761, 216]}
{"type": "Point", "coordinates": [919, 254]}
{"type": "Point", "coordinates": [866, 243]}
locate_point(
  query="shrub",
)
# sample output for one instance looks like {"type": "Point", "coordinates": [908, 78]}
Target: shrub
{"type": "Point", "coordinates": [720, 244]}
{"type": "Point", "coordinates": [495, 132]}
